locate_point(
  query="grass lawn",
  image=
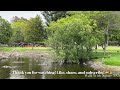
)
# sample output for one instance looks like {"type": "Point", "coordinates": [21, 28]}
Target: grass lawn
{"type": "Point", "coordinates": [23, 49]}
{"type": "Point", "coordinates": [112, 55]}
{"type": "Point", "coordinates": [110, 49]}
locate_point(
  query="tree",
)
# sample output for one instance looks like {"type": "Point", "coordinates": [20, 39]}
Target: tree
{"type": "Point", "coordinates": [34, 32]}
{"type": "Point", "coordinates": [5, 31]}
{"type": "Point", "coordinates": [73, 37]}
{"type": "Point", "coordinates": [53, 15]}
{"type": "Point", "coordinates": [16, 18]}
{"type": "Point", "coordinates": [114, 32]}
{"type": "Point", "coordinates": [18, 28]}
{"type": "Point", "coordinates": [108, 23]}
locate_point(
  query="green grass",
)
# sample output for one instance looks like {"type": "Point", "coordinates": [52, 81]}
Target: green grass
{"type": "Point", "coordinates": [109, 49]}
{"type": "Point", "coordinates": [23, 49]}
{"type": "Point", "coordinates": [112, 56]}
{"type": "Point", "coordinates": [114, 60]}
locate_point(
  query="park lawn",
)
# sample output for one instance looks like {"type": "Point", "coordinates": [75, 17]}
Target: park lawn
{"type": "Point", "coordinates": [109, 49]}
{"type": "Point", "coordinates": [112, 56]}
{"type": "Point", "coordinates": [114, 60]}
{"type": "Point", "coordinates": [23, 49]}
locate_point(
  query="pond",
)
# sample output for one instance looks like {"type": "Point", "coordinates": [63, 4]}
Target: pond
{"type": "Point", "coordinates": [26, 68]}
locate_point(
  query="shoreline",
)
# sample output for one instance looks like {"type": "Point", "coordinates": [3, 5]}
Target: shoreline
{"type": "Point", "coordinates": [31, 54]}
{"type": "Point", "coordinates": [96, 65]}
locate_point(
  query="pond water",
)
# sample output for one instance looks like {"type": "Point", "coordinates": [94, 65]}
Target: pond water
{"type": "Point", "coordinates": [25, 68]}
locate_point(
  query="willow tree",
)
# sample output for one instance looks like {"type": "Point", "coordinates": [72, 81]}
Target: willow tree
{"type": "Point", "coordinates": [73, 37]}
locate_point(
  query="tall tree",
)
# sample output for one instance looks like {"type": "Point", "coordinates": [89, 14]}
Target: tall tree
{"type": "Point", "coordinates": [107, 24]}
{"type": "Point", "coordinates": [18, 28]}
{"type": "Point", "coordinates": [35, 32]}
{"type": "Point", "coordinates": [108, 21]}
{"type": "Point", "coordinates": [5, 31]}
{"type": "Point", "coordinates": [16, 18]}
{"type": "Point", "coordinates": [53, 15]}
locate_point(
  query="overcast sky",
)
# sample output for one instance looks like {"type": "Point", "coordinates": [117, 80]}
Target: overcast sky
{"type": "Point", "coordinates": [26, 14]}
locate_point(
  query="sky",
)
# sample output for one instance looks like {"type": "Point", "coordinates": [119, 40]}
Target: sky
{"type": "Point", "coordinates": [8, 15]}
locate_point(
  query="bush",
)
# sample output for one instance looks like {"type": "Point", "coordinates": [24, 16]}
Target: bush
{"type": "Point", "coordinates": [72, 38]}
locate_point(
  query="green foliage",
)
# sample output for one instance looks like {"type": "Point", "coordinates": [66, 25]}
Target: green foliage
{"type": "Point", "coordinates": [73, 37]}
{"type": "Point", "coordinates": [34, 31]}
{"type": "Point", "coordinates": [16, 19]}
{"type": "Point", "coordinates": [108, 27]}
{"type": "Point", "coordinates": [31, 31]}
{"type": "Point", "coordinates": [112, 56]}
{"type": "Point", "coordinates": [53, 15]}
{"type": "Point", "coordinates": [5, 31]}
{"type": "Point", "coordinates": [18, 28]}
{"type": "Point", "coordinates": [24, 49]}
{"type": "Point", "coordinates": [108, 22]}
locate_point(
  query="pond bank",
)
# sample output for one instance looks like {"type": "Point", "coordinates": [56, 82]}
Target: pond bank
{"type": "Point", "coordinates": [7, 55]}
{"type": "Point", "coordinates": [98, 65]}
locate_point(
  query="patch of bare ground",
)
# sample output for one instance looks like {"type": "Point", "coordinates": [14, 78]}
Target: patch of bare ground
{"type": "Point", "coordinates": [42, 55]}
{"type": "Point", "coordinates": [97, 65]}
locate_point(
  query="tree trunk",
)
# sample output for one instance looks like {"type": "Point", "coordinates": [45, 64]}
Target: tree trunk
{"type": "Point", "coordinates": [104, 49]}
{"type": "Point", "coordinates": [81, 61]}
{"type": "Point", "coordinates": [65, 61]}
{"type": "Point", "coordinates": [107, 34]}
{"type": "Point", "coordinates": [96, 48]}
{"type": "Point", "coordinates": [106, 39]}
{"type": "Point", "coordinates": [32, 46]}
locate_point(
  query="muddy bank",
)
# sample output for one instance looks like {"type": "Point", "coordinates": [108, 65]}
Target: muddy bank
{"type": "Point", "coordinates": [7, 55]}
{"type": "Point", "coordinates": [97, 65]}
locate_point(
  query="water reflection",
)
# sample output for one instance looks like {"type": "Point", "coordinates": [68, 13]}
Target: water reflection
{"type": "Point", "coordinates": [25, 68]}
{"type": "Point", "coordinates": [4, 73]}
